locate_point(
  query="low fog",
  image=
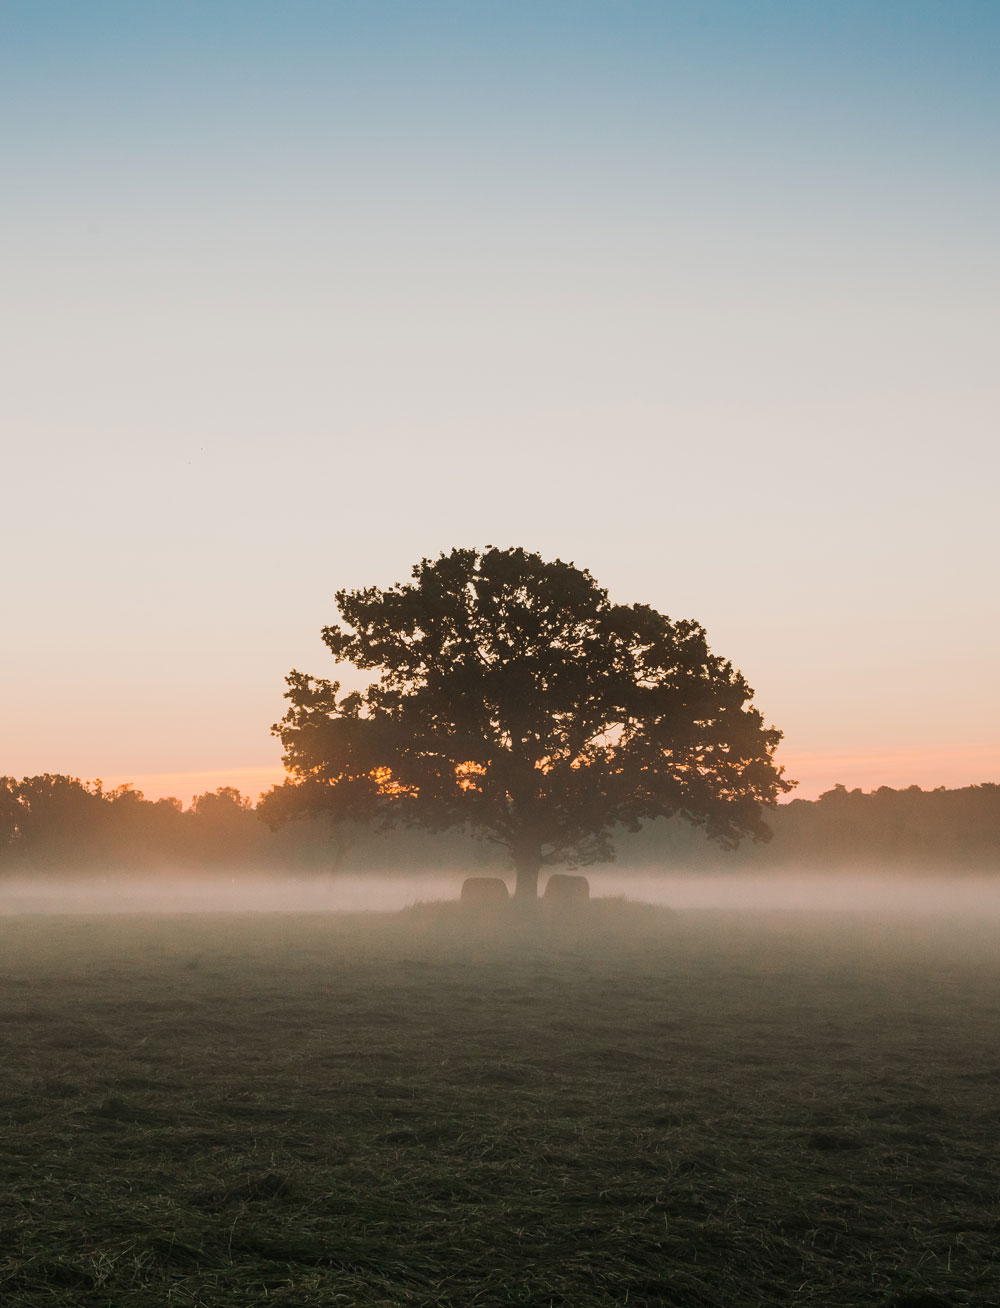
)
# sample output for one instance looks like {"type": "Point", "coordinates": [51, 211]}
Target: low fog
{"type": "Point", "coordinates": [952, 895]}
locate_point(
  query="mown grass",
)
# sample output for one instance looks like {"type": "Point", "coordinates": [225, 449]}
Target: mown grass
{"type": "Point", "coordinates": [627, 1107]}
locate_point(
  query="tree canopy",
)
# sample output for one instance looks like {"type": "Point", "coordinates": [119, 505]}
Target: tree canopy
{"type": "Point", "coordinates": [513, 699]}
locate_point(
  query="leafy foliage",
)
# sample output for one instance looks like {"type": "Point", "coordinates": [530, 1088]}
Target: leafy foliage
{"type": "Point", "coordinates": [62, 823]}
{"type": "Point", "coordinates": [514, 699]}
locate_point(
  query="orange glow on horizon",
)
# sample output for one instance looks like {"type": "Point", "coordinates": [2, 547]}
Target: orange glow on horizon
{"type": "Point", "coordinates": [252, 782]}
{"type": "Point", "coordinates": [951, 766]}
{"type": "Point", "coordinates": [815, 770]}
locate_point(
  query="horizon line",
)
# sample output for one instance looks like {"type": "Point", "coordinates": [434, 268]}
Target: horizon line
{"type": "Point", "coordinates": [817, 771]}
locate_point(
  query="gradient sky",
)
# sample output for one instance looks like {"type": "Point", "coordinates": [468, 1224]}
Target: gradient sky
{"type": "Point", "coordinates": [703, 297]}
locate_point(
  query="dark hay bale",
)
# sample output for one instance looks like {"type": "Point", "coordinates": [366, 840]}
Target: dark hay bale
{"type": "Point", "coordinates": [567, 891]}
{"type": "Point", "coordinates": [484, 892]}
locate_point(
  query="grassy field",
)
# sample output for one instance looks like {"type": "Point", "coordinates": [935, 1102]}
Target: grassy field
{"type": "Point", "coordinates": [637, 1108]}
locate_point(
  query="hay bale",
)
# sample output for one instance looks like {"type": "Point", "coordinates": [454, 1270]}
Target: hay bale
{"type": "Point", "coordinates": [565, 891]}
{"type": "Point", "coordinates": [484, 892]}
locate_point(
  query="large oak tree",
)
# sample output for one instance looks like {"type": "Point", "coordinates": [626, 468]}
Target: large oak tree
{"type": "Point", "coordinates": [513, 699]}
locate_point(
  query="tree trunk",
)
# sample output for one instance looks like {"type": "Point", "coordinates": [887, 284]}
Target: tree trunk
{"type": "Point", "coordinates": [527, 856]}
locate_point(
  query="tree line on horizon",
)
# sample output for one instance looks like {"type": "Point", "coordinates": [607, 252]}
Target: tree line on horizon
{"type": "Point", "coordinates": [56, 823]}
{"type": "Point", "coordinates": [515, 704]}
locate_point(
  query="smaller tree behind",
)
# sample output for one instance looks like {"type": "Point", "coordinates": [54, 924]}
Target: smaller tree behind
{"type": "Point", "coordinates": [223, 828]}
{"type": "Point", "coordinates": [514, 699]}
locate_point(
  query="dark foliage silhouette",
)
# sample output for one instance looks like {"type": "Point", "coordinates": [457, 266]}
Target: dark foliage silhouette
{"type": "Point", "coordinates": [910, 827]}
{"type": "Point", "coordinates": [61, 823]}
{"type": "Point", "coordinates": [57, 823]}
{"type": "Point", "coordinates": [514, 700]}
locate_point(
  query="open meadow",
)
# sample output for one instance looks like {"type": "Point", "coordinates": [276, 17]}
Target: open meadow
{"type": "Point", "coordinates": [633, 1106]}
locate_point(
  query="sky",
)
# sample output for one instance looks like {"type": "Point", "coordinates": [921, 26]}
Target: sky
{"type": "Point", "coordinates": [702, 297]}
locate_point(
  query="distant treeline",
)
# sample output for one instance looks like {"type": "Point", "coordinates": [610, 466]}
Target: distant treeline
{"type": "Point", "coordinates": [884, 829]}
{"type": "Point", "coordinates": [55, 823]}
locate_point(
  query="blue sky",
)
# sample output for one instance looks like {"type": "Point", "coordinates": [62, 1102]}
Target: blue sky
{"type": "Point", "coordinates": [703, 297]}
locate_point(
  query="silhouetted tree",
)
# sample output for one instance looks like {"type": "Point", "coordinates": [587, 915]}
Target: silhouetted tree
{"type": "Point", "coordinates": [515, 700]}
{"type": "Point", "coordinates": [59, 820]}
{"type": "Point", "coordinates": [340, 833]}
{"type": "Point", "coordinates": [10, 814]}
{"type": "Point", "coordinates": [142, 834]}
{"type": "Point", "coordinates": [223, 828]}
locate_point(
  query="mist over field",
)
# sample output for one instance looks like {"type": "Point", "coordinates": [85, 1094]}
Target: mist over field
{"type": "Point", "coordinates": [452, 443]}
{"type": "Point", "coordinates": [973, 895]}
